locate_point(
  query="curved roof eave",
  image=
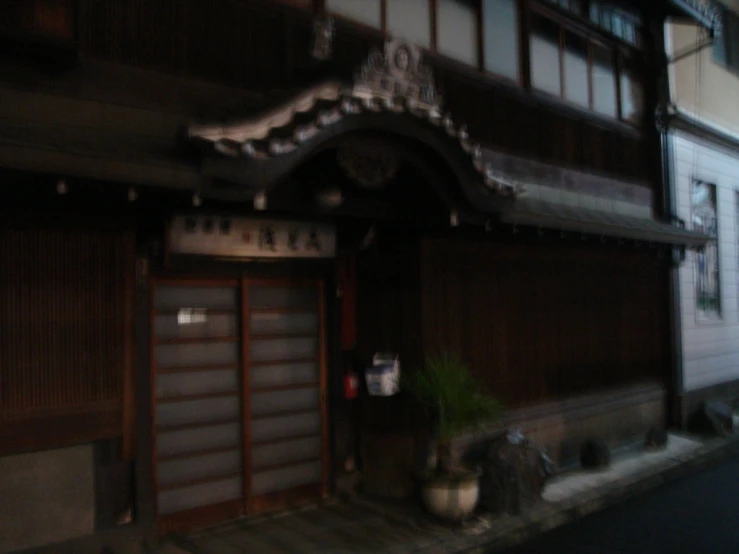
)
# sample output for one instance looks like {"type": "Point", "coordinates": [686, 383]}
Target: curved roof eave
{"type": "Point", "coordinates": [393, 91]}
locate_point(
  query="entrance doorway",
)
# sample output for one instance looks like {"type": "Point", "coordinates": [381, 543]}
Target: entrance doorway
{"type": "Point", "coordinates": [239, 380]}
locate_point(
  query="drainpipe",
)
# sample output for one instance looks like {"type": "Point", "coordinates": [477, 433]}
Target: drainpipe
{"type": "Point", "coordinates": [669, 209]}
{"type": "Point", "coordinates": [675, 313]}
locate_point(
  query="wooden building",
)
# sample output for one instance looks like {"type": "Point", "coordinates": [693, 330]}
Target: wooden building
{"type": "Point", "coordinates": [216, 210]}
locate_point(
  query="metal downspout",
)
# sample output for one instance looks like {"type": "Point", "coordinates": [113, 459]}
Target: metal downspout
{"type": "Point", "coordinates": [675, 312]}
{"type": "Point", "coordinates": [669, 207]}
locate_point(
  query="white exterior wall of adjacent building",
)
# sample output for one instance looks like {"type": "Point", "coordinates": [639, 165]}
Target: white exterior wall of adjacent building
{"type": "Point", "coordinates": [710, 344]}
{"type": "Point", "coordinates": [706, 92]}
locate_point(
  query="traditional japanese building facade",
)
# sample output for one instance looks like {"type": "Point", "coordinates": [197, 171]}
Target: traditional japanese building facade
{"type": "Point", "coordinates": [704, 154]}
{"type": "Point", "coordinates": [217, 212]}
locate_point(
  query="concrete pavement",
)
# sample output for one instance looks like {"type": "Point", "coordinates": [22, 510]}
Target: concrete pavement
{"type": "Point", "coordinates": [695, 515]}
{"type": "Point", "coordinates": [360, 525]}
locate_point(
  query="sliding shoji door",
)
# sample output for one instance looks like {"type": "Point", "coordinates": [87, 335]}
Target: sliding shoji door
{"type": "Point", "coordinates": [198, 413]}
{"type": "Point", "coordinates": [239, 408]}
{"type": "Point", "coordinates": [286, 372]}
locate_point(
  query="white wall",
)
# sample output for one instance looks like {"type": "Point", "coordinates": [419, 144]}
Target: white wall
{"type": "Point", "coordinates": [710, 348]}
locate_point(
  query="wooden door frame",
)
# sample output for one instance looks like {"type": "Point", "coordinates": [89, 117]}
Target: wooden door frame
{"type": "Point", "coordinates": [244, 285]}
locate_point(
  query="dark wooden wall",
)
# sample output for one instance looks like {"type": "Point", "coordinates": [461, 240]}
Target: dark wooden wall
{"type": "Point", "coordinates": [388, 302]}
{"type": "Point", "coordinates": [389, 318]}
{"type": "Point", "coordinates": [542, 322]}
{"type": "Point", "coordinates": [265, 46]}
{"type": "Point", "coordinates": [65, 294]}
{"type": "Point", "coordinates": [515, 124]}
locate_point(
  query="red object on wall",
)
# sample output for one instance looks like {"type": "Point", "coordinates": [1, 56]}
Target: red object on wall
{"type": "Point", "coordinates": [351, 385]}
{"type": "Point", "coordinates": [348, 283]}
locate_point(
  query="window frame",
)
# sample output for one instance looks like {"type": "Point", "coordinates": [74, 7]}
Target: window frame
{"type": "Point", "coordinates": [478, 31]}
{"type": "Point", "coordinates": [320, 7]}
{"type": "Point", "coordinates": [623, 54]}
{"type": "Point", "coordinates": [725, 47]}
{"type": "Point", "coordinates": [718, 316]}
{"type": "Point", "coordinates": [585, 18]}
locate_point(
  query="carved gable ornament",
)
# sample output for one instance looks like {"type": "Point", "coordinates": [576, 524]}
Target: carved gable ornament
{"type": "Point", "coordinates": [397, 73]}
{"type": "Point", "coordinates": [393, 79]}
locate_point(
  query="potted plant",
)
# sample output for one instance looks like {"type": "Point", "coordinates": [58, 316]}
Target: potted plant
{"type": "Point", "coordinates": [456, 404]}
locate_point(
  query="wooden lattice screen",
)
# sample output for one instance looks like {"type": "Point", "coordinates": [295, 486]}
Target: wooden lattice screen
{"type": "Point", "coordinates": [64, 318]}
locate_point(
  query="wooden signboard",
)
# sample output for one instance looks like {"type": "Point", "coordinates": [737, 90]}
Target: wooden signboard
{"type": "Point", "coordinates": [207, 235]}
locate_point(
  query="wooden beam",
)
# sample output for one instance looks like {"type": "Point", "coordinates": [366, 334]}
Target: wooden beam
{"type": "Point", "coordinates": [323, 366]}
{"type": "Point", "coordinates": [246, 394]}
{"type": "Point", "coordinates": [60, 428]}
{"type": "Point", "coordinates": [480, 37]}
{"type": "Point", "coordinates": [128, 447]}
{"type": "Point", "coordinates": [433, 11]}
{"type": "Point", "coordinates": [524, 38]}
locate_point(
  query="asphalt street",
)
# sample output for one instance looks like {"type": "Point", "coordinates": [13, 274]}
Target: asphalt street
{"type": "Point", "coordinates": [696, 515]}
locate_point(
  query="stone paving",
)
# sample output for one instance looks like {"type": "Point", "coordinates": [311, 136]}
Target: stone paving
{"type": "Point", "coordinates": [363, 526]}
{"type": "Point", "coordinates": [332, 528]}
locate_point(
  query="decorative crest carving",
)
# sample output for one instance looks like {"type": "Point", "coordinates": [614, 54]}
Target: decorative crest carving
{"type": "Point", "coordinates": [369, 162]}
{"type": "Point", "coordinates": [397, 73]}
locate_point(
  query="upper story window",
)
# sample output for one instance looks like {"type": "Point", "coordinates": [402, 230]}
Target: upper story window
{"type": "Point", "coordinates": [631, 92]}
{"type": "Point", "coordinates": [457, 30]}
{"type": "Point", "coordinates": [411, 20]}
{"type": "Point", "coordinates": [576, 50]}
{"type": "Point", "coordinates": [621, 23]}
{"type": "Point", "coordinates": [574, 6]}
{"type": "Point", "coordinates": [368, 12]}
{"type": "Point", "coordinates": [584, 71]}
{"type": "Point", "coordinates": [726, 45]}
{"type": "Point", "coordinates": [452, 28]}
{"type": "Point", "coordinates": [615, 20]}
{"type": "Point", "coordinates": [500, 38]}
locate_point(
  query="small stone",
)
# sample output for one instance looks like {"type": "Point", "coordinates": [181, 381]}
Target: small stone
{"type": "Point", "coordinates": [656, 438]}
{"type": "Point", "coordinates": [595, 454]}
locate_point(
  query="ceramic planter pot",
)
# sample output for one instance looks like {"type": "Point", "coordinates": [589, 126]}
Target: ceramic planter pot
{"type": "Point", "coordinates": [452, 497]}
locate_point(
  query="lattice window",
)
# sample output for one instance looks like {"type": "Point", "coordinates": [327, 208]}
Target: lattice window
{"type": "Point", "coordinates": [62, 319]}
